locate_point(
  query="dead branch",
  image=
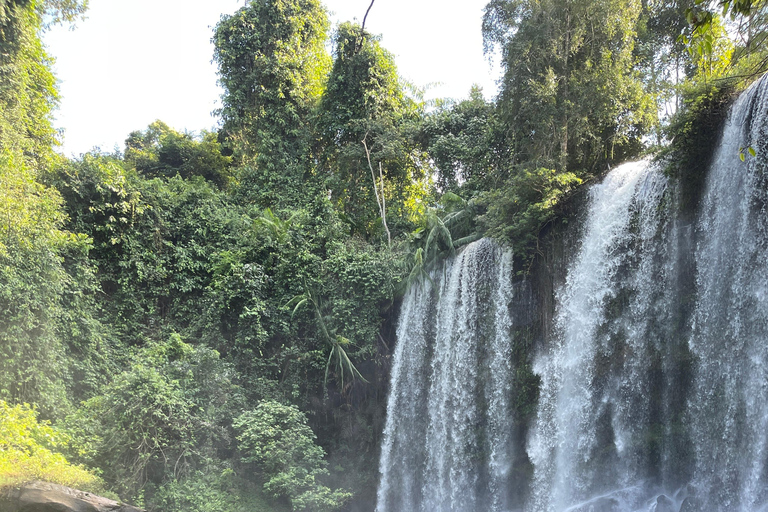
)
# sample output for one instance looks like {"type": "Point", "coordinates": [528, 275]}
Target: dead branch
{"type": "Point", "coordinates": [379, 201]}
{"type": "Point", "coordinates": [362, 27]}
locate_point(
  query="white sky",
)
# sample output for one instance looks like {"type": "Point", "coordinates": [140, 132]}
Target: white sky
{"type": "Point", "coordinates": [133, 61]}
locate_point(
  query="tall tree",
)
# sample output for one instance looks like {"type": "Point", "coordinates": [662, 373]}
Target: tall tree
{"type": "Point", "coordinates": [272, 65]}
{"type": "Point", "coordinates": [45, 280]}
{"type": "Point", "coordinates": [363, 119]}
{"type": "Point", "coordinates": [662, 58]}
{"type": "Point", "coordinates": [569, 94]}
{"type": "Point", "coordinates": [28, 91]}
{"type": "Point", "coordinates": [462, 140]}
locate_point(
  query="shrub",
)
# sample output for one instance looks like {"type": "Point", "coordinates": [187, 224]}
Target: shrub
{"type": "Point", "coordinates": [27, 452]}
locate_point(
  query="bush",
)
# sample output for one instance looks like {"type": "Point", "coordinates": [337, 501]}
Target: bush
{"type": "Point", "coordinates": [27, 452]}
{"type": "Point", "coordinates": [277, 438]}
{"type": "Point", "coordinates": [215, 488]}
{"type": "Point", "coordinates": [516, 213]}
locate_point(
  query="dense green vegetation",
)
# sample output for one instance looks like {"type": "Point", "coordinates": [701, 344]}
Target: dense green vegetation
{"type": "Point", "coordinates": [208, 318]}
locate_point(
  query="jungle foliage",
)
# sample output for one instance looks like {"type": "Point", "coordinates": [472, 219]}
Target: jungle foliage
{"type": "Point", "coordinates": [207, 320]}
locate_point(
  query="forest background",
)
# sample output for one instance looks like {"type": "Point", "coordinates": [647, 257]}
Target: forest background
{"type": "Point", "coordinates": [206, 321]}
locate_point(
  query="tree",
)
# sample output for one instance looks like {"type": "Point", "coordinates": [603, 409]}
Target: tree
{"type": "Point", "coordinates": [722, 38]}
{"type": "Point", "coordinates": [662, 59]}
{"type": "Point", "coordinates": [702, 12]}
{"type": "Point", "coordinates": [158, 419]}
{"type": "Point", "coordinates": [272, 65]}
{"type": "Point", "coordinates": [569, 95]}
{"type": "Point", "coordinates": [462, 141]}
{"type": "Point", "coordinates": [364, 121]}
{"type": "Point", "coordinates": [162, 151]}
{"type": "Point", "coordinates": [35, 287]}
{"type": "Point", "coordinates": [752, 32]}
{"type": "Point", "coordinates": [28, 90]}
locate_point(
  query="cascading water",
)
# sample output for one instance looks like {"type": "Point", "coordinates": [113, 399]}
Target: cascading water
{"type": "Point", "coordinates": [448, 411]}
{"type": "Point", "coordinates": [594, 390]}
{"type": "Point", "coordinates": [652, 357]}
{"type": "Point", "coordinates": [729, 406]}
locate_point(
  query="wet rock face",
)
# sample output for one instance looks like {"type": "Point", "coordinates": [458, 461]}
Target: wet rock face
{"type": "Point", "coordinates": [47, 497]}
{"type": "Point", "coordinates": [603, 504]}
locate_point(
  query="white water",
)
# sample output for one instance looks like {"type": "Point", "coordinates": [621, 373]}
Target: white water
{"type": "Point", "coordinates": [447, 413]}
{"type": "Point", "coordinates": [583, 409]}
{"type": "Point", "coordinates": [729, 406]}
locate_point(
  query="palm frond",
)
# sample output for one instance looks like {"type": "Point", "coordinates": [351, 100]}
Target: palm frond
{"type": "Point", "coordinates": [466, 240]}
{"type": "Point", "coordinates": [343, 362]}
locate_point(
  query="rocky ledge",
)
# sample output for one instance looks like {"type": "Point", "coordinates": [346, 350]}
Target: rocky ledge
{"type": "Point", "coordinates": [47, 497]}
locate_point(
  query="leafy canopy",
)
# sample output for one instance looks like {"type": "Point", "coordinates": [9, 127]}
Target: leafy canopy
{"type": "Point", "coordinates": [160, 151]}
{"type": "Point", "coordinates": [569, 95]}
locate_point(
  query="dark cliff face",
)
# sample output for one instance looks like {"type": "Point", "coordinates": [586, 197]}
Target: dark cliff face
{"type": "Point", "coordinates": [533, 311]}
{"type": "Point", "coordinates": [558, 245]}
{"type": "Point", "coordinates": [47, 497]}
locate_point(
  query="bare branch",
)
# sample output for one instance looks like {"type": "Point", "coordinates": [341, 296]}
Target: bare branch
{"type": "Point", "coordinates": [384, 206]}
{"type": "Point", "coordinates": [362, 27]}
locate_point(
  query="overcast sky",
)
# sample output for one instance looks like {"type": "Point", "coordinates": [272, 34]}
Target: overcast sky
{"type": "Point", "coordinates": [133, 61]}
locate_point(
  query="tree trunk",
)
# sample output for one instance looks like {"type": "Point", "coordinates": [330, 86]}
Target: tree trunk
{"type": "Point", "coordinates": [563, 157]}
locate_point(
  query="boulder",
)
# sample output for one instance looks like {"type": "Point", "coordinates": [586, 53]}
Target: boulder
{"type": "Point", "coordinates": [47, 497]}
{"type": "Point", "coordinates": [665, 504]}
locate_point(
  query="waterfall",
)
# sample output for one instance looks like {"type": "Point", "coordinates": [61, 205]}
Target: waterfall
{"type": "Point", "coordinates": [448, 410]}
{"type": "Point", "coordinates": [595, 391]}
{"type": "Point", "coordinates": [729, 406]}
{"type": "Point", "coordinates": [651, 347]}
